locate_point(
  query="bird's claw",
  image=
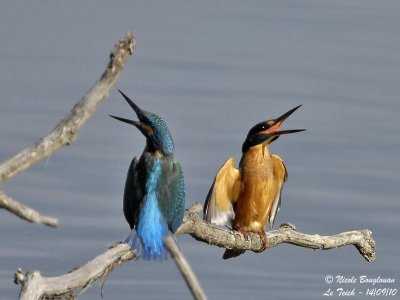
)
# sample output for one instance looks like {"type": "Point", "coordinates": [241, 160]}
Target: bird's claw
{"type": "Point", "coordinates": [264, 240]}
{"type": "Point", "coordinates": [288, 225]}
{"type": "Point", "coordinates": [245, 236]}
{"type": "Point", "coordinates": [243, 233]}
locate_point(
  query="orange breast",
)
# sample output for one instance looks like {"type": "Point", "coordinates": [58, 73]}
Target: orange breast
{"type": "Point", "coordinates": [259, 188]}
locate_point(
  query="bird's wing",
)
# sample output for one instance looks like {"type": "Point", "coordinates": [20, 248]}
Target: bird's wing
{"type": "Point", "coordinates": [218, 208]}
{"type": "Point", "coordinates": [280, 174]}
{"type": "Point", "coordinates": [171, 193]}
{"type": "Point", "coordinates": [133, 194]}
{"type": "Point", "coordinates": [177, 188]}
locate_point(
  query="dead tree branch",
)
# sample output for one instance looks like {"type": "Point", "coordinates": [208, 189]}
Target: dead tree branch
{"type": "Point", "coordinates": [24, 212]}
{"type": "Point", "coordinates": [35, 286]}
{"type": "Point", "coordinates": [65, 132]}
{"type": "Point", "coordinates": [287, 233]}
{"type": "Point", "coordinates": [185, 269]}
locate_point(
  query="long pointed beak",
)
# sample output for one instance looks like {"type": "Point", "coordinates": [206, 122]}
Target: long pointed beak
{"type": "Point", "coordinates": [282, 118]}
{"type": "Point", "coordinates": [134, 123]}
{"type": "Point", "coordinates": [136, 108]}
{"type": "Point", "coordinates": [273, 132]}
{"type": "Point", "coordinates": [274, 125]}
{"type": "Point", "coordinates": [280, 132]}
{"type": "Point", "coordinates": [272, 136]}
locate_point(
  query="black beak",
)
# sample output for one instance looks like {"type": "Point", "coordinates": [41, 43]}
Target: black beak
{"type": "Point", "coordinates": [268, 131]}
{"type": "Point", "coordinates": [136, 108]}
{"type": "Point", "coordinates": [275, 135]}
{"type": "Point", "coordinates": [286, 131]}
{"type": "Point", "coordinates": [135, 123]}
{"type": "Point", "coordinates": [282, 118]}
{"type": "Point", "coordinates": [277, 122]}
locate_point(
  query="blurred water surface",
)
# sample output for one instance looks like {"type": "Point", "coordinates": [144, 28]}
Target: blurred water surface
{"type": "Point", "coordinates": [211, 70]}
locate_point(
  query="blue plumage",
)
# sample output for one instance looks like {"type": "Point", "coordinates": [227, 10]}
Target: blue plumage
{"type": "Point", "coordinates": [152, 227]}
{"type": "Point", "coordinates": [162, 136]}
{"type": "Point", "coordinates": [154, 197]}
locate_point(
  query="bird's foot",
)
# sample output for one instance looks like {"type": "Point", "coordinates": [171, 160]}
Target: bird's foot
{"type": "Point", "coordinates": [288, 225]}
{"type": "Point", "coordinates": [243, 233]}
{"type": "Point", "coordinates": [263, 237]}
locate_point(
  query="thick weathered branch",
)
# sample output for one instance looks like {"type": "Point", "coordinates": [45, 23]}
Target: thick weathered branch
{"type": "Point", "coordinates": [65, 132]}
{"type": "Point", "coordinates": [35, 286]}
{"type": "Point", "coordinates": [287, 233]}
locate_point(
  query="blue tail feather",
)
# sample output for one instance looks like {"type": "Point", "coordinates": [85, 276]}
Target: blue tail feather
{"type": "Point", "coordinates": [152, 229]}
{"type": "Point", "coordinates": [133, 240]}
{"type": "Point", "coordinates": [152, 252]}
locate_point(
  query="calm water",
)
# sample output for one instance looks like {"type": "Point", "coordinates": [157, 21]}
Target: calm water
{"type": "Point", "coordinates": [211, 70]}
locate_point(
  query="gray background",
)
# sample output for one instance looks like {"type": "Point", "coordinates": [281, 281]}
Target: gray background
{"type": "Point", "coordinates": [211, 70]}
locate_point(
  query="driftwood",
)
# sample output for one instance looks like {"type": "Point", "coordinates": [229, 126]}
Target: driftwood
{"type": "Point", "coordinates": [35, 286]}
{"type": "Point", "coordinates": [64, 133]}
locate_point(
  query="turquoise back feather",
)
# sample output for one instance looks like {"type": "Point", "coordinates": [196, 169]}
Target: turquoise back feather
{"type": "Point", "coordinates": [152, 228]}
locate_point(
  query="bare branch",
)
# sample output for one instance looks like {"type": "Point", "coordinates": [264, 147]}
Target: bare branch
{"type": "Point", "coordinates": [65, 132]}
{"type": "Point", "coordinates": [25, 212]}
{"type": "Point", "coordinates": [35, 286]}
{"type": "Point", "coordinates": [287, 233]}
{"type": "Point", "coordinates": [185, 269]}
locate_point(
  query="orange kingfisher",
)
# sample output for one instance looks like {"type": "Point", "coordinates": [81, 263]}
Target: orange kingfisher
{"type": "Point", "coordinates": [246, 198]}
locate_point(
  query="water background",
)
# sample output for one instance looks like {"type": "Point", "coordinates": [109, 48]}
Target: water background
{"type": "Point", "coordinates": [211, 70]}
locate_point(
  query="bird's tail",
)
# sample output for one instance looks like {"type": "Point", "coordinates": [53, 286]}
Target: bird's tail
{"type": "Point", "coordinates": [153, 251]}
{"type": "Point", "coordinates": [133, 240]}
{"type": "Point", "coordinates": [149, 253]}
{"type": "Point", "coordinates": [232, 253]}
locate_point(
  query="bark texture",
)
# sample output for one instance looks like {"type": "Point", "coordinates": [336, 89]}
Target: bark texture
{"type": "Point", "coordinates": [64, 133]}
{"type": "Point", "coordinates": [35, 286]}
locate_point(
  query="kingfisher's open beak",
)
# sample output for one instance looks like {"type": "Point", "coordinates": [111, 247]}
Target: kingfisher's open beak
{"type": "Point", "coordinates": [272, 131]}
{"type": "Point", "coordinates": [136, 108]}
{"type": "Point", "coordinates": [142, 126]}
{"type": "Point", "coordinates": [274, 125]}
{"type": "Point", "coordinates": [135, 123]}
{"type": "Point", "coordinates": [145, 129]}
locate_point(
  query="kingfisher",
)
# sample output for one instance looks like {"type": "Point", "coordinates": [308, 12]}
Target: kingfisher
{"type": "Point", "coordinates": [245, 199]}
{"type": "Point", "coordinates": [154, 195]}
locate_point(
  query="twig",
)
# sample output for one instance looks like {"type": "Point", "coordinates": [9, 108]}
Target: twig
{"type": "Point", "coordinates": [65, 132]}
{"type": "Point", "coordinates": [99, 267]}
{"type": "Point", "coordinates": [25, 212]}
{"type": "Point", "coordinates": [185, 269]}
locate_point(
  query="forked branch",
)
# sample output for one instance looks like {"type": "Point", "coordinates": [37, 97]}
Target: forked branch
{"type": "Point", "coordinates": [35, 286]}
{"type": "Point", "coordinates": [65, 132]}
